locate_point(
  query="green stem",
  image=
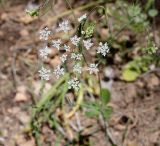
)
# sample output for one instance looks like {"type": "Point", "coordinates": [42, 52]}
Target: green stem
{"type": "Point", "coordinates": [99, 80]}
{"type": "Point", "coordinates": [78, 103]}
{"type": "Point", "coordinates": [108, 137]}
{"type": "Point", "coordinates": [106, 16]}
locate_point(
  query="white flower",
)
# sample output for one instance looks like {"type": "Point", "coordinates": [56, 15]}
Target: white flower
{"type": "Point", "coordinates": [77, 68]}
{"type": "Point", "coordinates": [88, 44]}
{"type": "Point", "coordinates": [76, 56]}
{"type": "Point", "coordinates": [66, 48]}
{"type": "Point", "coordinates": [44, 73]}
{"type": "Point", "coordinates": [58, 71]}
{"type": "Point", "coordinates": [31, 7]}
{"type": "Point", "coordinates": [93, 68]}
{"type": "Point", "coordinates": [44, 33]}
{"type": "Point", "coordinates": [75, 40]}
{"type": "Point", "coordinates": [63, 58]}
{"type": "Point", "coordinates": [74, 83]}
{"type": "Point", "coordinates": [56, 43]}
{"type": "Point", "coordinates": [103, 48]}
{"type": "Point", "coordinates": [44, 52]}
{"type": "Point", "coordinates": [64, 26]}
{"type": "Point", "coordinates": [80, 19]}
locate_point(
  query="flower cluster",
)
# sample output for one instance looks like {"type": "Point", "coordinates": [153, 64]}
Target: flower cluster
{"type": "Point", "coordinates": [56, 43]}
{"type": "Point", "coordinates": [74, 83]}
{"type": "Point", "coordinates": [76, 56]}
{"type": "Point", "coordinates": [44, 52]}
{"type": "Point", "coordinates": [93, 68]}
{"type": "Point", "coordinates": [44, 34]}
{"type": "Point", "coordinates": [77, 68]}
{"type": "Point", "coordinates": [75, 40]}
{"type": "Point", "coordinates": [58, 71]}
{"type": "Point", "coordinates": [44, 73]}
{"type": "Point", "coordinates": [87, 44]}
{"type": "Point", "coordinates": [64, 26]}
{"type": "Point", "coordinates": [103, 48]}
{"type": "Point", "coordinates": [71, 53]}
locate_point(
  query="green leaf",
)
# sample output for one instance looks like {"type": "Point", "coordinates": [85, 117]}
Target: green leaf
{"type": "Point", "coordinates": [107, 112]}
{"type": "Point", "coordinates": [58, 141]}
{"type": "Point", "coordinates": [152, 12]}
{"type": "Point", "coordinates": [105, 96]}
{"type": "Point", "coordinates": [93, 109]}
{"type": "Point", "coordinates": [92, 113]}
{"type": "Point", "coordinates": [89, 29]}
{"type": "Point", "coordinates": [130, 75]}
{"type": "Point", "coordinates": [136, 67]}
{"type": "Point", "coordinates": [134, 10]}
{"type": "Point", "coordinates": [91, 105]}
{"type": "Point", "coordinates": [33, 13]}
{"type": "Point", "coordinates": [149, 4]}
{"type": "Point", "coordinates": [151, 48]}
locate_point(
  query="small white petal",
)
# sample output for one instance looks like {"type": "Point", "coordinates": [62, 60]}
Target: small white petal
{"type": "Point", "coordinates": [44, 33]}
{"type": "Point", "coordinates": [76, 56]}
{"type": "Point", "coordinates": [44, 73]}
{"type": "Point", "coordinates": [58, 71]}
{"type": "Point", "coordinates": [56, 43]}
{"type": "Point", "coordinates": [80, 19]}
{"type": "Point", "coordinates": [74, 83]}
{"type": "Point", "coordinates": [88, 44]}
{"type": "Point", "coordinates": [44, 52]}
{"type": "Point", "coordinates": [77, 68]}
{"type": "Point", "coordinates": [64, 26]}
{"type": "Point", "coordinates": [66, 48]}
{"type": "Point", "coordinates": [63, 58]}
{"type": "Point", "coordinates": [93, 68]}
{"type": "Point", "coordinates": [103, 48]}
{"type": "Point", "coordinates": [75, 40]}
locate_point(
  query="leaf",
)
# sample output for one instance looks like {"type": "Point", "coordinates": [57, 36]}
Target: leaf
{"type": "Point", "coordinates": [136, 67]}
{"type": "Point", "coordinates": [134, 10]}
{"type": "Point", "coordinates": [105, 96]}
{"type": "Point", "coordinates": [149, 4]}
{"type": "Point", "coordinates": [130, 75]}
{"type": "Point", "coordinates": [91, 105]}
{"type": "Point", "coordinates": [92, 113]}
{"type": "Point", "coordinates": [33, 13]}
{"type": "Point", "coordinates": [152, 12]}
{"type": "Point", "coordinates": [89, 29]}
{"type": "Point", "coordinates": [92, 109]}
{"type": "Point", "coordinates": [107, 112]}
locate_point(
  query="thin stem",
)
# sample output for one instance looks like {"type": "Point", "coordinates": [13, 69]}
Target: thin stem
{"type": "Point", "coordinates": [99, 80]}
{"type": "Point", "coordinates": [49, 95]}
{"type": "Point", "coordinates": [78, 103]}
{"type": "Point", "coordinates": [108, 138]}
{"type": "Point", "coordinates": [107, 132]}
{"type": "Point", "coordinates": [66, 122]}
{"type": "Point", "coordinates": [123, 27]}
{"type": "Point", "coordinates": [106, 16]}
{"type": "Point", "coordinates": [84, 59]}
{"type": "Point", "coordinates": [77, 9]}
{"type": "Point", "coordinates": [72, 10]}
{"type": "Point", "coordinates": [81, 49]}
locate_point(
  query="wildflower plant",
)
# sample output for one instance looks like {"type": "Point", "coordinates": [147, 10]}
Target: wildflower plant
{"type": "Point", "coordinates": [75, 56]}
{"type": "Point", "coordinates": [75, 62]}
